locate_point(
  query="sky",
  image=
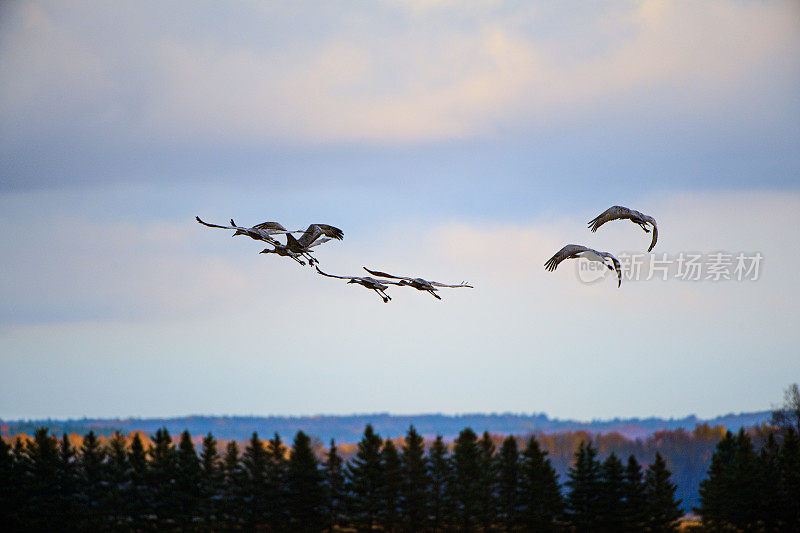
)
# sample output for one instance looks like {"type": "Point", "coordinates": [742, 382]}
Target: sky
{"type": "Point", "coordinates": [449, 140]}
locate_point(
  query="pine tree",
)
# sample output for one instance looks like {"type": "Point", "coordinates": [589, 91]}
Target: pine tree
{"type": "Point", "coordinates": [486, 508]}
{"type": "Point", "coordinates": [612, 493]}
{"type": "Point", "coordinates": [256, 488]}
{"type": "Point", "coordinates": [415, 481]}
{"type": "Point", "coordinates": [541, 502]}
{"type": "Point", "coordinates": [118, 475]}
{"type": "Point", "coordinates": [391, 487]}
{"type": "Point", "coordinates": [335, 488]}
{"type": "Point", "coordinates": [508, 483]}
{"type": "Point", "coordinates": [634, 509]}
{"type": "Point", "coordinates": [277, 488]}
{"type": "Point", "coordinates": [305, 487]}
{"type": "Point", "coordinates": [663, 509]}
{"type": "Point", "coordinates": [93, 483]}
{"type": "Point", "coordinates": [583, 500]}
{"type": "Point", "coordinates": [364, 480]}
{"type": "Point", "coordinates": [440, 505]}
{"type": "Point", "coordinates": [187, 485]}
{"type": "Point", "coordinates": [466, 484]}
{"type": "Point", "coordinates": [232, 504]}
{"type": "Point", "coordinates": [210, 480]}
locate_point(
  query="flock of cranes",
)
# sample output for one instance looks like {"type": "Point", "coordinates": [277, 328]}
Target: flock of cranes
{"type": "Point", "coordinates": [316, 234]}
{"type": "Point", "coordinates": [617, 212]}
{"type": "Point", "coordinates": [300, 249]}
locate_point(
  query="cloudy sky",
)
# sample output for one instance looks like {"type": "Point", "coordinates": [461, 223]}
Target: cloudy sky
{"type": "Point", "coordinates": [450, 140]}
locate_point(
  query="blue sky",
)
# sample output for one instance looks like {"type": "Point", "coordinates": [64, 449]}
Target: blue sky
{"type": "Point", "coordinates": [448, 140]}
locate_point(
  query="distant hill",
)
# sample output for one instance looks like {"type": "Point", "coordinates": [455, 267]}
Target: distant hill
{"type": "Point", "coordinates": [350, 427]}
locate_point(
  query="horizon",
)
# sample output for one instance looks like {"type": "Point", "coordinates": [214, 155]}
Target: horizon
{"type": "Point", "coordinates": [397, 415]}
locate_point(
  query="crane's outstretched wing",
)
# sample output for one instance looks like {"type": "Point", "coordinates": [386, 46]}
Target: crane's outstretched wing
{"type": "Point", "coordinates": [383, 274]}
{"type": "Point", "coordinates": [334, 276]}
{"type": "Point", "coordinates": [612, 213]}
{"type": "Point", "coordinates": [566, 252]}
{"type": "Point", "coordinates": [214, 225]}
{"type": "Point", "coordinates": [462, 284]}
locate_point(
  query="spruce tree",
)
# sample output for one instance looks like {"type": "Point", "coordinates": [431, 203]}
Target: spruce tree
{"type": "Point", "coordinates": [187, 485]}
{"type": "Point", "coordinates": [663, 509]}
{"type": "Point", "coordinates": [306, 490]}
{"type": "Point", "coordinates": [789, 464]}
{"type": "Point", "coordinates": [8, 486]}
{"type": "Point", "coordinates": [716, 506]}
{"type": "Point", "coordinates": [634, 509]}
{"type": "Point", "coordinates": [364, 480]}
{"type": "Point", "coordinates": [232, 503]}
{"type": "Point", "coordinates": [541, 502]}
{"type": "Point", "coordinates": [391, 487]}
{"type": "Point", "coordinates": [440, 504]}
{"type": "Point", "coordinates": [508, 484]}
{"type": "Point", "coordinates": [277, 487]}
{"type": "Point", "coordinates": [583, 500]}
{"type": "Point", "coordinates": [466, 480]}
{"type": "Point", "coordinates": [140, 497]}
{"type": "Point", "coordinates": [67, 483]}
{"type": "Point", "coordinates": [612, 493]}
{"type": "Point", "coordinates": [118, 475]}
{"type": "Point", "coordinates": [335, 488]}
{"type": "Point", "coordinates": [210, 480]}
{"type": "Point", "coordinates": [93, 482]}
{"type": "Point", "coordinates": [415, 481]}
{"type": "Point", "coordinates": [22, 486]}
{"type": "Point", "coordinates": [40, 504]}
{"type": "Point", "coordinates": [486, 508]}
{"type": "Point", "coordinates": [162, 471]}
{"type": "Point", "coordinates": [256, 487]}
{"type": "Point", "coordinates": [768, 486]}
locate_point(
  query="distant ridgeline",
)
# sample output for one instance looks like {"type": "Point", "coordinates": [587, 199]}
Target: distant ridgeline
{"type": "Point", "coordinates": [348, 428]}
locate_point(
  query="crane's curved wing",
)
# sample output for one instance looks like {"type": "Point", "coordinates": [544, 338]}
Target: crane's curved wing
{"type": "Point", "coordinates": [383, 274]}
{"type": "Point", "coordinates": [612, 213]}
{"type": "Point", "coordinates": [315, 231]}
{"type": "Point", "coordinates": [310, 235]}
{"type": "Point", "coordinates": [655, 235]}
{"type": "Point", "coordinates": [330, 231]}
{"type": "Point", "coordinates": [214, 225]}
{"type": "Point", "coordinates": [567, 252]}
{"type": "Point", "coordinates": [319, 241]}
{"type": "Point", "coordinates": [272, 227]}
{"type": "Point", "coordinates": [332, 275]}
{"type": "Point", "coordinates": [617, 266]}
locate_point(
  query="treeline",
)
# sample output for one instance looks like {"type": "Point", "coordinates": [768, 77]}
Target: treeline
{"type": "Point", "coordinates": [750, 490]}
{"type": "Point", "coordinates": [140, 484]}
{"type": "Point", "coordinates": [347, 428]}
